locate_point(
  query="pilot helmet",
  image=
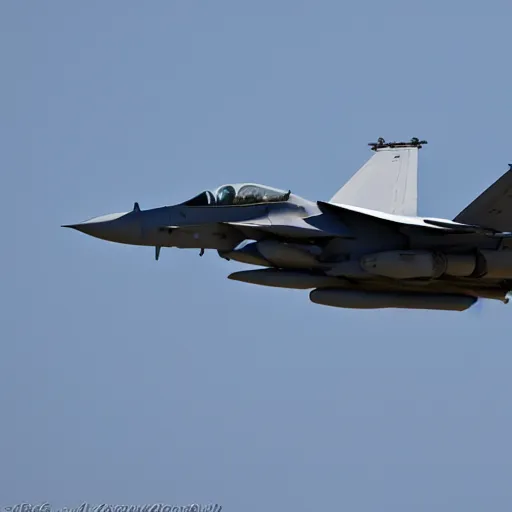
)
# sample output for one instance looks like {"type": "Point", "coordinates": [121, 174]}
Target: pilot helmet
{"type": "Point", "coordinates": [226, 195]}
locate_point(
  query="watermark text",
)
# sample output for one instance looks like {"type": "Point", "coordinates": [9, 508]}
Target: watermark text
{"type": "Point", "coordinates": [106, 507]}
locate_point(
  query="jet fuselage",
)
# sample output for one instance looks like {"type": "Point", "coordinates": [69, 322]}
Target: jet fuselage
{"type": "Point", "coordinates": [371, 250]}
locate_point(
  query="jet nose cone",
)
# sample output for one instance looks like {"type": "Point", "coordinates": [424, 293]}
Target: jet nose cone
{"type": "Point", "coordinates": [107, 227]}
{"type": "Point", "coordinates": [72, 226]}
{"type": "Point", "coordinates": [89, 228]}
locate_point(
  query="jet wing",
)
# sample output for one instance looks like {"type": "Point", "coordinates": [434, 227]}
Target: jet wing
{"type": "Point", "coordinates": [441, 225]}
{"type": "Point", "coordinates": [493, 208]}
{"type": "Point", "coordinates": [290, 227]}
{"type": "Point", "coordinates": [398, 219]}
{"type": "Point", "coordinates": [297, 228]}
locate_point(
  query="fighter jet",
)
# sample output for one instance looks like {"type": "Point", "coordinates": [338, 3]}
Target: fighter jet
{"type": "Point", "coordinates": [365, 248]}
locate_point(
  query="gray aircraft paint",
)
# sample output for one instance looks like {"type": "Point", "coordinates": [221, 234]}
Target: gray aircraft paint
{"type": "Point", "coordinates": [366, 247]}
{"type": "Point", "coordinates": [388, 183]}
{"type": "Point", "coordinates": [493, 208]}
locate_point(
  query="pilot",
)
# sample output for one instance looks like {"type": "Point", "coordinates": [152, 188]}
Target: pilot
{"type": "Point", "coordinates": [226, 195]}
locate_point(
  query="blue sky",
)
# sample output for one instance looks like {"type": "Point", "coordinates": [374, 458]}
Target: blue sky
{"type": "Point", "coordinates": [125, 381]}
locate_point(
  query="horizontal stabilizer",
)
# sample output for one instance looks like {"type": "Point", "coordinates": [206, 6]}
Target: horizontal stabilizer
{"type": "Point", "coordinates": [387, 182]}
{"type": "Point", "coordinates": [493, 208]}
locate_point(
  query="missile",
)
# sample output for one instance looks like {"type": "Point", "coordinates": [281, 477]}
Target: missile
{"type": "Point", "coordinates": [270, 253]}
{"type": "Point", "coordinates": [289, 254]}
{"type": "Point", "coordinates": [359, 299]}
{"type": "Point", "coordinates": [246, 254]}
{"type": "Point", "coordinates": [286, 279]}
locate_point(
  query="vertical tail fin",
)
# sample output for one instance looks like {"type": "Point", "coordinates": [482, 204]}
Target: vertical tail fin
{"type": "Point", "coordinates": [387, 182]}
{"type": "Point", "coordinates": [493, 208]}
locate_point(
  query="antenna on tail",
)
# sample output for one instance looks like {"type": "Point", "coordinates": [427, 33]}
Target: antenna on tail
{"type": "Point", "coordinates": [381, 143]}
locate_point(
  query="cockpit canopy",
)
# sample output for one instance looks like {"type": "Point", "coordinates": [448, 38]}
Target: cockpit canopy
{"type": "Point", "coordinates": [239, 194]}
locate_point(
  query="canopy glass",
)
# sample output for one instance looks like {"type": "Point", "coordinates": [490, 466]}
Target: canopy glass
{"type": "Point", "coordinates": [239, 194]}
